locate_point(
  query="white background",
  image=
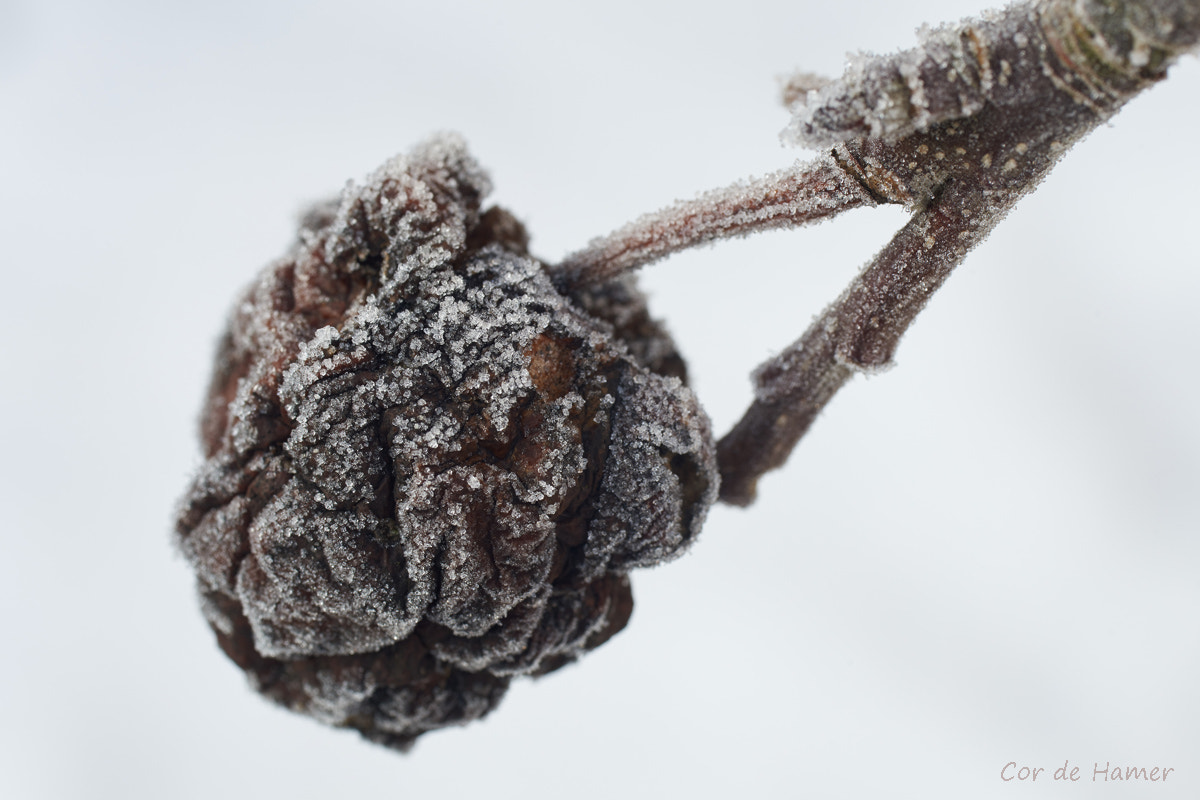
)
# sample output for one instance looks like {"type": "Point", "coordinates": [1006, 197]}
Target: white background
{"type": "Point", "coordinates": [985, 555]}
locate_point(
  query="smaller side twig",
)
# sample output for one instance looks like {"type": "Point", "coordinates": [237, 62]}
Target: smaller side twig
{"type": "Point", "coordinates": [859, 332]}
{"type": "Point", "coordinates": [797, 196]}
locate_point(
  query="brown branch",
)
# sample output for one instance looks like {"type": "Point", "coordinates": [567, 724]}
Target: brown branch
{"type": "Point", "coordinates": [962, 175]}
{"type": "Point", "coordinates": [958, 129]}
{"type": "Point", "coordinates": [858, 332]}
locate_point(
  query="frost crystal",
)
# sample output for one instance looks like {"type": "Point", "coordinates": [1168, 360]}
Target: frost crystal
{"type": "Point", "coordinates": [426, 469]}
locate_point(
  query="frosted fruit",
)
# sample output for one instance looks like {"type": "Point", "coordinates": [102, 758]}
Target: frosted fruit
{"type": "Point", "coordinates": [426, 470]}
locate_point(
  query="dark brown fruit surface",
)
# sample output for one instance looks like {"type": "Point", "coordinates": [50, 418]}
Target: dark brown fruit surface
{"type": "Point", "coordinates": [426, 471]}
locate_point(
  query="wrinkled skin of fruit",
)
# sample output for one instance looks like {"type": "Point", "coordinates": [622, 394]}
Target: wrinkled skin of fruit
{"type": "Point", "coordinates": [426, 471]}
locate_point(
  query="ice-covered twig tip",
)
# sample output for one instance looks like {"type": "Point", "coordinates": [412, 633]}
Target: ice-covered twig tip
{"type": "Point", "coordinates": [432, 459]}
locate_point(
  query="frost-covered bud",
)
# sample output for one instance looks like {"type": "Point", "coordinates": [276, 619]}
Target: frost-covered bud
{"type": "Point", "coordinates": [427, 470]}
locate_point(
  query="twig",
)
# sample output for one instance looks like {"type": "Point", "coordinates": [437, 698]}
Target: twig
{"type": "Point", "coordinates": [958, 129]}
{"type": "Point", "coordinates": [858, 332]}
{"type": "Point", "coordinates": [797, 196]}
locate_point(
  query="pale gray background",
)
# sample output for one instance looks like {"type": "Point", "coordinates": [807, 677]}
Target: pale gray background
{"type": "Point", "coordinates": [985, 555]}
